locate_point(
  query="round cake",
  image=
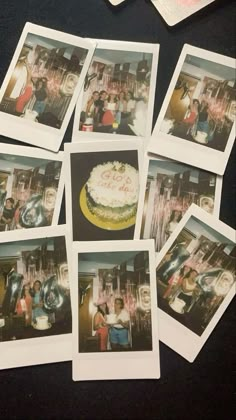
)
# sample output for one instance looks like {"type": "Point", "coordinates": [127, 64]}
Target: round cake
{"type": "Point", "coordinates": [42, 322]}
{"type": "Point", "coordinates": [112, 191]}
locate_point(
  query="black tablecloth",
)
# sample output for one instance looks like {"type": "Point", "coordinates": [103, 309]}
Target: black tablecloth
{"type": "Point", "coordinates": [204, 389]}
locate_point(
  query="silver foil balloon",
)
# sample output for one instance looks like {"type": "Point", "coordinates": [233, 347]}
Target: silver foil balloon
{"type": "Point", "coordinates": [32, 214]}
{"type": "Point", "coordinates": [3, 195]}
{"type": "Point", "coordinates": [53, 296]}
{"type": "Point", "coordinates": [178, 256]}
{"type": "Point", "coordinates": [14, 284]}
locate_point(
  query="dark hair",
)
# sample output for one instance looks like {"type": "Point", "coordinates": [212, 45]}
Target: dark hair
{"type": "Point", "coordinates": [106, 312]}
{"type": "Point", "coordinates": [198, 104]}
{"type": "Point", "coordinates": [123, 94]}
{"type": "Point", "coordinates": [181, 272]}
{"type": "Point", "coordinates": [10, 199]}
{"type": "Point", "coordinates": [96, 91]}
{"type": "Point", "coordinates": [102, 91]}
{"type": "Point", "coordinates": [121, 302]}
{"type": "Point", "coordinates": [32, 291]}
{"type": "Point", "coordinates": [190, 272]}
{"type": "Point", "coordinates": [173, 215]}
{"type": "Point", "coordinates": [23, 290]}
{"type": "Point", "coordinates": [131, 94]}
{"type": "Point", "coordinates": [109, 98]}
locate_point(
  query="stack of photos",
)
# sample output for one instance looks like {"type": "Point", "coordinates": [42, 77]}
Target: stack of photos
{"type": "Point", "coordinates": [34, 296]}
{"type": "Point", "coordinates": [168, 189]}
{"type": "Point", "coordinates": [115, 310]}
{"type": "Point", "coordinates": [30, 188]}
{"type": "Point", "coordinates": [119, 90]}
{"type": "Point", "coordinates": [166, 194]}
{"type": "Point", "coordinates": [42, 85]}
{"type": "Point", "coordinates": [101, 203]}
{"type": "Point", "coordinates": [196, 273]}
{"type": "Point", "coordinates": [196, 124]}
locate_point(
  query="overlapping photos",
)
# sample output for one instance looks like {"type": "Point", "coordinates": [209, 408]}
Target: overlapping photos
{"type": "Point", "coordinates": [142, 228]}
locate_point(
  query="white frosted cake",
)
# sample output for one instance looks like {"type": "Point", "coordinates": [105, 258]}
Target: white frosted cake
{"type": "Point", "coordinates": [112, 191]}
{"type": "Point", "coordinates": [177, 305]}
{"type": "Point", "coordinates": [42, 322]}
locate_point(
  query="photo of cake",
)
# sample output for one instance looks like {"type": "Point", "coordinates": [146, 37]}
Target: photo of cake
{"type": "Point", "coordinates": [112, 193]}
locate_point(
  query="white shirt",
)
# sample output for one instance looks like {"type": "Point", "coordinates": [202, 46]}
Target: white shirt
{"type": "Point", "coordinates": [123, 316]}
{"type": "Point", "coordinates": [131, 105]}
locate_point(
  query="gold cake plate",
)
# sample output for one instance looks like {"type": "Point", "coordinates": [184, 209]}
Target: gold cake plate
{"type": "Point", "coordinates": [95, 220]}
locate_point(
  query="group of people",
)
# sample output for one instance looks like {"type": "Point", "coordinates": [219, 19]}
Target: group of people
{"type": "Point", "coordinates": [109, 108]}
{"type": "Point", "coordinates": [118, 333]}
{"type": "Point", "coordinates": [34, 88]}
{"type": "Point", "coordinates": [36, 211]}
{"type": "Point", "coordinates": [197, 119]}
{"type": "Point", "coordinates": [30, 303]}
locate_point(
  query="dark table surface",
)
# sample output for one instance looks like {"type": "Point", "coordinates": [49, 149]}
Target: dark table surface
{"type": "Point", "coordinates": [204, 389]}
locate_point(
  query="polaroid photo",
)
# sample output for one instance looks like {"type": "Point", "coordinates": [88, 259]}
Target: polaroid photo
{"type": "Point", "coordinates": [35, 304]}
{"type": "Point", "coordinates": [174, 11]}
{"type": "Point", "coordinates": [119, 92]}
{"type": "Point", "coordinates": [167, 190]}
{"type": "Point", "coordinates": [195, 275]}
{"type": "Point", "coordinates": [115, 322]}
{"type": "Point", "coordinates": [116, 2]}
{"type": "Point", "coordinates": [31, 187]}
{"type": "Point", "coordinates": [196, 124]}
{"type": "Point", "coordinates": [102, 189]}
{"type": "Point", "coordinates": [42, 85]}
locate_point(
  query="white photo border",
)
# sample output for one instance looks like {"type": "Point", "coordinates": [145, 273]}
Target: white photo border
{"type": "Point", "coordinates": [120, 46]}
{"type": "Point", "coordinates": [41, 350]}
{"type": "Point", "coordinates": [141, 203]}
{"type": "Point", "coordinates": [29, 131]}
{"type": "Point", "coordinates": [173, 19]}
{"type": "Point", "coordinates": [94, 146]}
{"type": "Point", "coordinates": [126, 365]}
{"type": "Point", "coordinates": [179, 149]}
{"type": "Point", "coordinates": [173, 333]}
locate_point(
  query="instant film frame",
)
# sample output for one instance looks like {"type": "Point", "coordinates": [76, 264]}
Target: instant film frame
{"type": "Point", "coordinates": [192, 81]}
{"type": "Point", "coordinates": [80, 159]}
{"type": "Point", "coordinates": [41, 350]}
{"type": "Point", "coordinates": [116, 2]}
{"type": "Point", "coordinates": [173, 332]}
{"type": "Point", "coordinates": [162, 197]}
{"type": "Point", "coordinates": [115, 365]}
{"type": "Point", "coordinates": [21, 158]}
{"type": "Point", "coordinates": [106, 48]}
{"type": "Point", "coordinates": [177, 10]}
{"type": "Point", "coordinates": [25, 129]}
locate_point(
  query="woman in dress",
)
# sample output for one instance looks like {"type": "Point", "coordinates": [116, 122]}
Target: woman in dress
{"type": "Point", "coordinates": [187, 289]}
{"type": "Point", "coordinates": [175, 218]}
{"type": "Point", "coordinates": [26, 93]}
{"type": "Point", "coordinates": [121, 107]}
{"type": "Point", "coordinates": [99, 323]}
{"type": "Point", "coordinates": [176, 281]}
{"type": "Point", "coordinates": [24, 305]}
{"type": "Point", "coordinates": [37, 302]}
{"type": "Point", "coordinates": [192, 115]}
{"type": "Point", "coordinates": [110, 107]}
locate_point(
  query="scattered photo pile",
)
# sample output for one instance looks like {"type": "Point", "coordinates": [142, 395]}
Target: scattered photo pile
{"type": "Point", "coordinates": [143, 254]}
